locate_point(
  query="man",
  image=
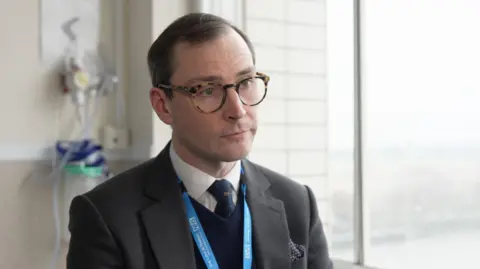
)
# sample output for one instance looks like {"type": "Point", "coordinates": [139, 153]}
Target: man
{"type": "Point", "coordinates": [200, 203]}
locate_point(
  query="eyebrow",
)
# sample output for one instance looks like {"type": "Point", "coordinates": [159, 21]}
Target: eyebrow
{"type": "Point", "coordinates": [243, 72]}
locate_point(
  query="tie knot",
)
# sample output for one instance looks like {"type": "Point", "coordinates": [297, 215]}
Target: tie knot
{"type": "Point", "coordinates": [222, 191]}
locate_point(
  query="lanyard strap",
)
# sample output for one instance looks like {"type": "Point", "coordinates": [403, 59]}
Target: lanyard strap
{"type": "Point", "coordinates": [201, 239]}
{"type": "Point", "coordinates": [247, 232]}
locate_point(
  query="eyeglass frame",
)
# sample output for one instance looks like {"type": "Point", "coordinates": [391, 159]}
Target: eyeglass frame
{"type": "Point", "coordinates": [193, 90]}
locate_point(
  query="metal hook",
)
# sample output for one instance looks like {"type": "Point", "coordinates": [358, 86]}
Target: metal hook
{"type": "Point", "coordinates": [67, 28]}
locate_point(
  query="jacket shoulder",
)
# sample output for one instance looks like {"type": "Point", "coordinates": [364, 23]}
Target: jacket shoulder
{"type": "Point", "coordinates": [279, 182]}
{"type": "Point", "coordinates": [121, 190]}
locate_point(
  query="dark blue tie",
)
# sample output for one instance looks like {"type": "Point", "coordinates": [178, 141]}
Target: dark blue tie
{"type": "Point", "coordinates": [222, 191]}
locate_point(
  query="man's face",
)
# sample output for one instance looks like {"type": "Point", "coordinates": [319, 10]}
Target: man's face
{"type": "Point", "coordinates": [227, 134]}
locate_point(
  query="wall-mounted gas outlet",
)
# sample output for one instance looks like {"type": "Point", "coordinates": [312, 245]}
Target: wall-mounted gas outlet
{"type": "Point", "coordinates": [115, 138]}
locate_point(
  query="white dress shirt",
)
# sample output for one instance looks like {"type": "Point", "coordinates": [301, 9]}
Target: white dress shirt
{"type": "Point", "coordinates": [197, 182]}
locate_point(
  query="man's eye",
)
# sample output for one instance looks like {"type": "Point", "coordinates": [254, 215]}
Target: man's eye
{"type": "Point", "coordinates": [207, 92]}
{"type": "Point", "coordinates": [246, 82]}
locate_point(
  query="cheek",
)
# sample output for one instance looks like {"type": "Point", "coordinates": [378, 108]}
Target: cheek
{"type": "Point", "coordinates": [252, 113]}
{"type": "Point", "coordinates": [189, 122]}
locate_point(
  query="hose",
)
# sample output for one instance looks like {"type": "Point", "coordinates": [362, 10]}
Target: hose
{"type": "Point", "coordinates": [57, 179]}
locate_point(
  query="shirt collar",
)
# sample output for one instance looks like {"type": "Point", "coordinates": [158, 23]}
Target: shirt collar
{"type": "Point", "coordinates": [197, 182]}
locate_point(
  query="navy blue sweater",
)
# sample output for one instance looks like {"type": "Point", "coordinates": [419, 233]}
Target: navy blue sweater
{"type": "Point", "coordinates": [224, 235]}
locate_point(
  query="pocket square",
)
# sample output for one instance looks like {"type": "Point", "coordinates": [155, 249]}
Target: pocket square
{"type": "Point", "coordinates": [296, 251]}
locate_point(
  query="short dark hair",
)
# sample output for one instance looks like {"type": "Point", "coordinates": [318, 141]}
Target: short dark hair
{"type": "Point", "coordinates": [193, 28]}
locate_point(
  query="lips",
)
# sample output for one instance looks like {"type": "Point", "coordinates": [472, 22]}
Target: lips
{"type": "Point", "coordinates": [235, 133]}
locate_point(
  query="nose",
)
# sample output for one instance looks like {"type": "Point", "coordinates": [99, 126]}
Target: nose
{"type": "Point", "coordinates": [234, 108]}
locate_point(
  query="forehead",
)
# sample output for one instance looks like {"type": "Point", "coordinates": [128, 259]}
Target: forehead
{"type": "Point", "coordinates": [224, 57]}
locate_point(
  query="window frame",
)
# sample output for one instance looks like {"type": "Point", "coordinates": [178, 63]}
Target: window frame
{"type": "Point", "coordinates": [360, 227]}
{"type": "Point", "coordinates": [360, 230]}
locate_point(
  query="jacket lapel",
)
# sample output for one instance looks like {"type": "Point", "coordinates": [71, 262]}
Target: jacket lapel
{"type": "Point", "coordinates": [165, 220]}
{"type": "Point", "coordinates": [270, 229]}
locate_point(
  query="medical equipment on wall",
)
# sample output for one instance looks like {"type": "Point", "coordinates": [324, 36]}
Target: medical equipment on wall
{"type": "Point", "coordinates": [84, 77]}
{"type": "Point", "coordinates": [81, 163]}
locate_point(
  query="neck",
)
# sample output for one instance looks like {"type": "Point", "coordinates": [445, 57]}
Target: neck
{"type": "Point", "coordinates": [212, 167]}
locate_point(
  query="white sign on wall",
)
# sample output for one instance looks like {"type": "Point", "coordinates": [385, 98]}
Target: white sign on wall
{"type": "Point", "coordinates": [54, 14]}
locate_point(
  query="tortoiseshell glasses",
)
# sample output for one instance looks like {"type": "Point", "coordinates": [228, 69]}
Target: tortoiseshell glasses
{"type": "Point", "coordinates": [209, 97]}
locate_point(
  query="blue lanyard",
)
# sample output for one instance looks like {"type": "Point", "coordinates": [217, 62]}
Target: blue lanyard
{"type": "Point", "coordinates": [201, 239]}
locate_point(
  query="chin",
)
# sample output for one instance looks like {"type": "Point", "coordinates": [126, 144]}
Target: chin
{"type": "Point", "coordinates": [235, 152]}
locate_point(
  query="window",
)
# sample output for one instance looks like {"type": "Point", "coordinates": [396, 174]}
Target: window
{"type": "Point", "coordinates": [340, 70]}
{"type": "Point", "coordinates": [419, 158]}
{"type": "Point", "coordinates": [422, 133]}
{"type": "Point", "coordinates": [289, 38]}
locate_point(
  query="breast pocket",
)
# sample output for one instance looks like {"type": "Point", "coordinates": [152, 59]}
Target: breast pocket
{"type": "Point", "coordinates": [297, 255]}
{"type": "Point", "coordinates": [299, 263]}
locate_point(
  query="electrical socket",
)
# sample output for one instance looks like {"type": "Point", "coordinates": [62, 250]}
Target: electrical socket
{"type": "Point", "coordinates": [115, 138]}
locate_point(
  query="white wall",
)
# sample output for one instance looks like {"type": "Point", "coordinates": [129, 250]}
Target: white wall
{"type": "Point", "coordinates": [290, 41]}
{"type": "Point", "coordinates": [33, 112]}
{"type": "Point", "coordinates": [145, 21]}
{"type": "Point", "coordinates": [289, 36]}
{"type": "Point", "coordinates": [33, 115]}
{"type": "Point", "coordinates": [27, 114]}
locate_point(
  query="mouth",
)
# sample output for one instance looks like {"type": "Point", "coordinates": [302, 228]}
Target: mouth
{"type": "Point", "coordinates": [236, 134]}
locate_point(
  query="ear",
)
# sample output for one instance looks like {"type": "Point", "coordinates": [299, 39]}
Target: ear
{"type": "Point", "coordinates": [161, 103]}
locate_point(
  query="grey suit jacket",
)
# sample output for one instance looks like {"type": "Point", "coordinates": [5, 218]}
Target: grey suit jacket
{"type": "Point", "coordinates": [137, 220]}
